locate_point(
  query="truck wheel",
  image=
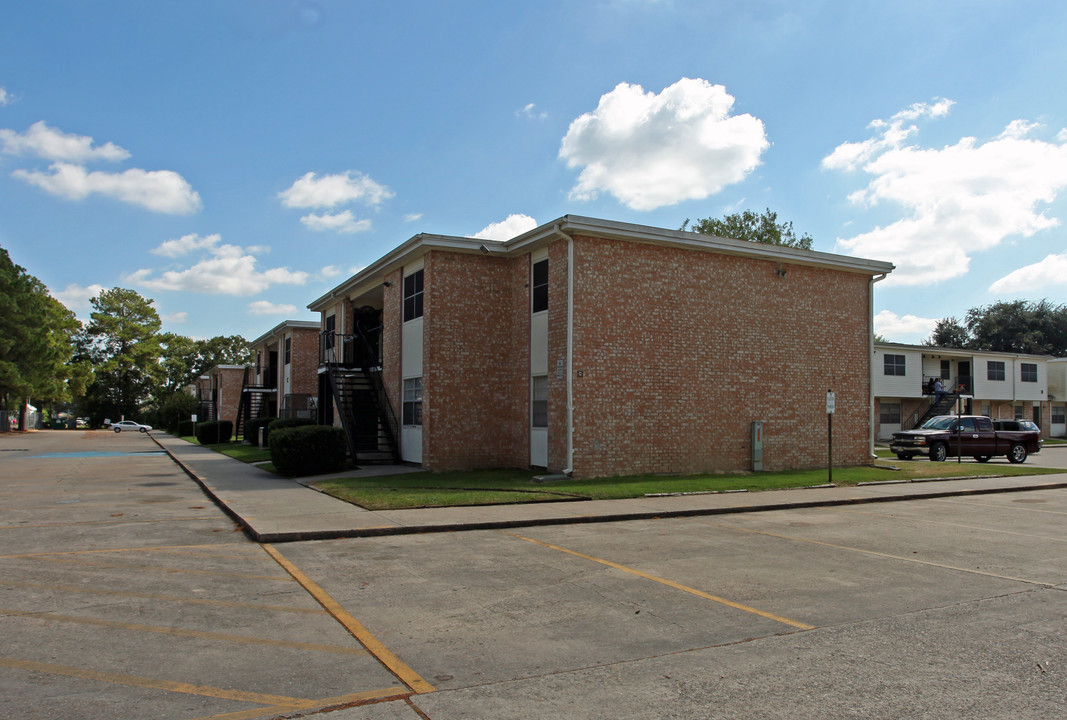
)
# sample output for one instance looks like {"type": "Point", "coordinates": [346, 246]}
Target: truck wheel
{"type": "Point", "coordinates": [938, 452]}
{"type": "Point", "coordinates": [983, 458]}
{"type": "Point", "coordinates": [1017, 453]}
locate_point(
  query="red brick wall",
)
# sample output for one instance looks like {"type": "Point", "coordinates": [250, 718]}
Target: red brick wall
{"type": "Point", "coordinates": [476, 361]}
{"type": "Point", "coordinates": [304, 361]}
{"type": "Point", "coordinates": [557, 353]}
{"type": "Point", "coordinates": [677, 352]}
{"type": "Point", "coordinates": [392, 322]}
{"type": "Point", "coordinates": [228, 382]}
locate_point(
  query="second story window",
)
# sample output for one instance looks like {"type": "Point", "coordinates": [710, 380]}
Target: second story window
{"type": "Point", "coordinates": [895, 365]}
{"type": "Point", "coordinates": [994, 370]}
{"type": "Point", "coordinates": [1029, 372]}
{"type": "Point", "coordinates": [288, 350]}
{"type": "Point", "coordinates": [539, 286]}
{"type": "Point", "coordinates": [413, 296]}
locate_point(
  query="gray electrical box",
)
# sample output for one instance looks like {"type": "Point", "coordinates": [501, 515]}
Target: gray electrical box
{"type": "Point", "coordinates": [757, 446]}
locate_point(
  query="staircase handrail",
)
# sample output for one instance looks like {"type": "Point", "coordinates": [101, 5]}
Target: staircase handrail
{"type": "Point", "coordinates": [374, 372]}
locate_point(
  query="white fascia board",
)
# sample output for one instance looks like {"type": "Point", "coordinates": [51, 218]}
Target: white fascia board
{"type": "Point", "coordinates": [282, 327]}
{"type": "Point", "coordinates": [418, 245]}
{"type": "Point", "coordinates": [959, 352]}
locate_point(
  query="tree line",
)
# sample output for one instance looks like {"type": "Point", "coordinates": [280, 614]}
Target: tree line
{"type": "Point", "coordinates": [119, 364]}
{"type": "Point", "coordinates": [1015, 326]}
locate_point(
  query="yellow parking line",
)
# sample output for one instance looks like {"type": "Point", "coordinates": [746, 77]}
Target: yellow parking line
{"type": "Point", "coordinates": [356, 699]}
{"type": "Point", "coordinates": [166, 598]}
{"type": "Point", "coordinates": [889, 556]}
{"type": "Point", "coordinates": [385, 656]}
{"type": "Point", "coordinates": [164, 569]}
{"type": "Point", "coordinates": [198, 634]}
{"type": "Point", "coordinates": [670, 583]}
{"type": "Point", "coordinates": [289, 703]}
{"type": "Point", "coordinates": [126, 549]}
{"type": "Point", "coordinates": [115, 521]}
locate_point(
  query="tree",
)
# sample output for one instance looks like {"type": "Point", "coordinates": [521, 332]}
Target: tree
{"type": "Point", "coordinates": [749, 226]}
{"type": "Point", "coordinates": [1017, 326]}
{"type": "Point", "coordinates": [185, 359]}
{"type": "Point", "coordinates": [948, 333]}
{"type": "Point", "coordinates": [36, 342]}
{"type": "Point", "coordinates": [122, 341]}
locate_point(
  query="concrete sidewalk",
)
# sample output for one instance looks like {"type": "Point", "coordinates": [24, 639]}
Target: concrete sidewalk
{"type": "Point", "coordinates": [275, 509]}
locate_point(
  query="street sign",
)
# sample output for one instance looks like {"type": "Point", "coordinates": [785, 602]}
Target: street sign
{"type": "Point", "coordinates": [831, 403]}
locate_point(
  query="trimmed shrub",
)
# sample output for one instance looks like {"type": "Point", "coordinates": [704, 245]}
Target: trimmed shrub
{"type": "Point", "coordinates": [186, 428]}
{"type": "Point", "coordinates": [309, 450]}
{"type": "Point", "coordinates": [214, 432]}
{"type": "Point", "coordinates": [279, 423]}
{"type": "Point", "coordinates": [251, 429]}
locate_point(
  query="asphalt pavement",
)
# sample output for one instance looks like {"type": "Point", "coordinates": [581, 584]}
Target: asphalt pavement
{"type": "Point", "coordinates": [276, 509]}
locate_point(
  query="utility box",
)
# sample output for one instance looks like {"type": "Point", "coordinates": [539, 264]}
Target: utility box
{"type": "Point", "coordinates": [262, 433]}
{"type": "Point", "coordinates": [757, 446]}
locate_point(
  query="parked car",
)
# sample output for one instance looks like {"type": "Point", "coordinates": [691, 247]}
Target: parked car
{"type": "Point", "coordinates": [974, 435]}
{"type": "Point", "coordinates": [129, 426]}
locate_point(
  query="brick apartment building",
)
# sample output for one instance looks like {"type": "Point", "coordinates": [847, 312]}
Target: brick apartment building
{"type": "Point", "coordinates": [602, 348]}
{"type": "Point", "coordinates": [219, 393]}
{"type": "Point", "coordinates": [286, 365]}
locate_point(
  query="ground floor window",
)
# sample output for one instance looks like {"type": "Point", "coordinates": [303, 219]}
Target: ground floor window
{"type": "Point", "coordinates": [1059, 414]}
{"type": "Point", "coordinates": [890, 413]}
{"type": "Point", "coordinates": [413, 401]}
{"type": "Point", "coordinates": [539, 401]}
{"type": "Point", "coordinates": [1019, 412]}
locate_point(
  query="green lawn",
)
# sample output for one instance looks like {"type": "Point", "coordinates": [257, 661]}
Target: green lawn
{"type": "Point", "coordinates": [488, 487]}
{"type": "Point", "coordinates": [236, 449]}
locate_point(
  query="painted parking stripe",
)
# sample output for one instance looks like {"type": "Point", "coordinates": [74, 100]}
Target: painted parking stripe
{"type": "Point", "coordinates": [104, 551]}
{"type": "Point", "coordinates": [198, 634]}
{"type": "Point", "coordinates": [385, 656]}
{"type": "Point", "coordinates": [890, 556]}
{"type": "Point", "coordinates": [325, 705]}
{"type": "Point", "coordinates": [166, 598]}
{"type": "Point", "coordinates": [163, 569]}
{"type": "Point", "coordinates": [670, 583]}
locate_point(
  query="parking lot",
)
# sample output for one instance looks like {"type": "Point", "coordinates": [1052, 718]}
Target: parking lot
{"type": "Point", "coordinates": [126, 593]}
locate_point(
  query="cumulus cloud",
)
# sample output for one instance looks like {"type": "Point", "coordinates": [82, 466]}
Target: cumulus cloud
{"type": "Point", "coordinates": [342, 222]}
{"type": "Point", "coordinates": [161, 191]}
{"type": "Point", "coordinates": [328, 191]}
{"type": "Point", "coordinates": [413, 217]}
{"type": "Point", "coordinates": [76, 297]}
{"type": "Point", "coordinates": [52, 144]}
{"type": "Point", "coordinates": [186, 244]}
{"type": "Point", "coordinates": [906, 328]}
{"type": "Point", "coordinates": [1050, 271]}
{"type": "Point", "coordinates": [5, 97]}
{"type": "Point", "coordinates": [177, 318]}
{"type": "Point", "coordinates": [223, 270]}
{"type": "Point", "coordinates": [958, 199]}
{"type": "Point", "coordinates": [264, 307]}
{"type": "Point", "coordinates": [509, 227]}
{"type": "Point", "coordinates": [650, 150]}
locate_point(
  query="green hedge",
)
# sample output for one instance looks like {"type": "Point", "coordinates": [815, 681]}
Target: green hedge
{"type": "Point", "coordinates": [186, 428]}
{"type": "Point", "coordinates": [214, 432]}
{"type": "Point", "coordinates": [251, 429]}
{"type": "Point", "coordinates": [309, 450]}
{"type": "Point", "coordinates": [279, 423]}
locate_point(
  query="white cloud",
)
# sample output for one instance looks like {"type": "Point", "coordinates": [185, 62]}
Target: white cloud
{"type": "Point", "coordinates": [187, 244]}
{"type": "Point", "coordinates": [330, 191]}
{"type": "Point", "coordinates": [413, 217]}
{"type": "Point", "coordinates": [178, 318]}
{"type": "Point", "coordinates": [5, 97]}
{"type": "Point", "coordinates": [1050, 271]}
{"type": "Point", "coordinates": [52, 144]}
{"type": "Point", "coordinates": [343, 222]}
{"type": "Point", "coordinates": [652, 150]}
{"type": "Point", "coordinates": [226, 270]}
{"type": "Point", "coordinates": [511, 226]}
{"type": "Point", "coordinates": [76, 297]}
{"type": "Point", "coordinates": [160, 190]}
{"type": "Point", "coordinates": [957, 200]}
{"type": "Point", "coordinates": [907, 328]}
{"type": "Point", "coordinates": [330, 271]}
{"type": "Point", "coordinates": [264, 307]}
{"type": "Point", "coordinates": [530, 111]}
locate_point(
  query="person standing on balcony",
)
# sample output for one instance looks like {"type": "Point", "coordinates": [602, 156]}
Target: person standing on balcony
{"type": "Point", "coordinates": [939, 390]}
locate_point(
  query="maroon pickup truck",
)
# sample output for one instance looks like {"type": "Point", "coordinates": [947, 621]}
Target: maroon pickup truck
{"type": "Point", "coordinates": [972, 435]}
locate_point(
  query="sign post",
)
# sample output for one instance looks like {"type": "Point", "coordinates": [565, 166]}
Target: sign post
{"type": "Point", "coordinates": [831, 406]}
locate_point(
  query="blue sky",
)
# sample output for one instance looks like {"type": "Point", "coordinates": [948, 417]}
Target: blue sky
{"type": "Point", "coordinates": [235, 159]}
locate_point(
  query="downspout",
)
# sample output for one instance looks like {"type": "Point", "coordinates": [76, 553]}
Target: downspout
{"type": "Point", "coordinates": [870, 358]}
{"type": "Point", "coordinates": [570, 347]}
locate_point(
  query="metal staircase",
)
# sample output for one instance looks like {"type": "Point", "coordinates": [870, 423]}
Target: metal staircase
{"type": "Point", "coordinates": [255, 402]}
{"type": "Point", "coordinates": [360, 398]}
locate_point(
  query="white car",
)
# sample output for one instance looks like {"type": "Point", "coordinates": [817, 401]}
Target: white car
{"type": "Point", "coordinates": [130, 425]}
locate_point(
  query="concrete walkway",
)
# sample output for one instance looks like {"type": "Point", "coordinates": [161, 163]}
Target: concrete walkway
{"type": "Point", "coordinates": [275, 509]}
